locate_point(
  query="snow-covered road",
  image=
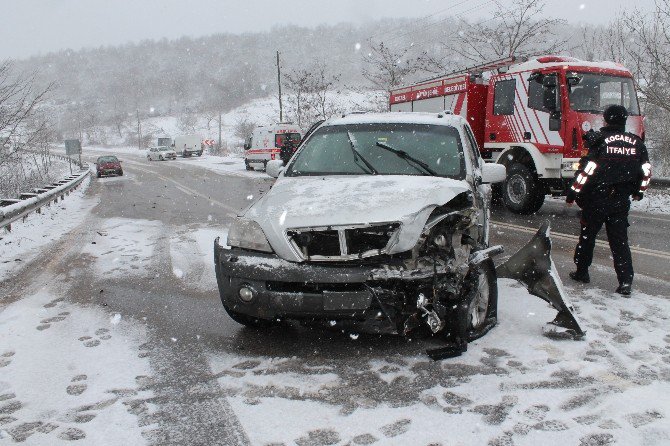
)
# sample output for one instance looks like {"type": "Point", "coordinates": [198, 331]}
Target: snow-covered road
{"type": "Point", "coordinates": [114, 334]}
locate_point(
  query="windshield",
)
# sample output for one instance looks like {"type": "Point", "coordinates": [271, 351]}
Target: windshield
{"type": "Point", "coordinates": [108, 159]}
{"type": "Point", "coordinates": [594, 92]}
{"type": "Point", "coordinates": [163, 149]}
{"type": "Point", "coordinates": [280, 138]}
{"type": "Point", "coordinates": [329, 152]}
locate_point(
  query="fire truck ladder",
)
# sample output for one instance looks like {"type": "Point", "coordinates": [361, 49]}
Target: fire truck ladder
{"type": "Point", "coordinates": [488, 66]}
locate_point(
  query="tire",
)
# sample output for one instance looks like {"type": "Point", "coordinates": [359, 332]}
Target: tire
{"type": "Point", "coordinates": [99, 175]}
{"type": "Point", "coordinates": [248, 321]}
{"type": "Point", "coordinates": [246, 163]}
{"type": "Point", "coordinates": [199, 153]}
{"type": "Point", "coordinates": [483, 311]}
{"type": "Point", "coordinates": [149, 158]}
{"type": "Point", "coordinates": [522, 192]}
{"type": "Point", "coordinates": [120, 173]}
{"type": "Point", "coordinates": [160, 157]}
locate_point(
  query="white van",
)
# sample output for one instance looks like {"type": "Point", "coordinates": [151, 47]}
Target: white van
{"type": "Point", "coordinates": [187, 145]}
{"type": "Point", "coordinates": [266, 143]}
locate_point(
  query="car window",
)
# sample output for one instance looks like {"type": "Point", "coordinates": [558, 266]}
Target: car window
{"type": "Point", "coordinates": [328, 150]}
{"type": "Point", "coordinates": [108, 159]}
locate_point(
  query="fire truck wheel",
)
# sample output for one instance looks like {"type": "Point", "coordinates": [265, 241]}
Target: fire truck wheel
{"type": "Point", "coordinates": [522, 193]}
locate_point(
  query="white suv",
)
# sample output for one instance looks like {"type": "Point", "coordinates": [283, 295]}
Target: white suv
{"type": "Point", "coordinates": [379, 218]}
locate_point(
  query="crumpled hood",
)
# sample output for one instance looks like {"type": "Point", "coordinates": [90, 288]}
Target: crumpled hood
{"type": "Point", "coordinates": [300, 202]}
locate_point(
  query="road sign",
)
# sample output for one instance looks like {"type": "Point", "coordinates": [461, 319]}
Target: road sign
{"type": "Point", "coordinates": [72, 147]}
{"type": "Point", "coordinates": [208, 142]}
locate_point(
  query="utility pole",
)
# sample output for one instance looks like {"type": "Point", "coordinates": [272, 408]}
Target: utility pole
{"type": "Point", "coordinates": [139, 131]}
{"type": "Point", "coordinates": [281, 111]}
{"type": "Point", "coordinates": [219, 132]}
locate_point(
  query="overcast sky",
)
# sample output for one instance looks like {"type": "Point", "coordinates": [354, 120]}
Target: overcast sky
{"type": "Point", "coordinates": [32, 27]}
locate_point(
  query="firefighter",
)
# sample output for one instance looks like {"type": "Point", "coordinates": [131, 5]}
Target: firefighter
{"type": "Point", "coordinates": [615, 168]}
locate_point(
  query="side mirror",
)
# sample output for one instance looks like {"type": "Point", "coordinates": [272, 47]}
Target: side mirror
{"type": "Point", "coordinates": [493, 173]}
{"type": "Point", "coordinates": [550, 99]}
{"type": "Point", "coordinates": [274, 168]}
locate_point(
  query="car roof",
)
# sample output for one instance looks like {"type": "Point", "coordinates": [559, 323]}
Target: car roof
{"type": "Point", "coordinates": [442, 118]}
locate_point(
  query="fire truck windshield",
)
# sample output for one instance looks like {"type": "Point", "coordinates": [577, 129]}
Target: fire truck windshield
{"type": "Point", "coordinates": [591, 93]}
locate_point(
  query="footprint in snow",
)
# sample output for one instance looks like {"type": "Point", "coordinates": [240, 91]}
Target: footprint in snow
{"type": "Point", "coordinates": [53, 303]}
{"type": "Point", "coordinates": [6, 358]}
{"type": "Point", "coordinates": [78, 385]}
{"type": "Point", "coordinates": [101, 334]}
{"type": "Point", "coordinates": [46, 323]}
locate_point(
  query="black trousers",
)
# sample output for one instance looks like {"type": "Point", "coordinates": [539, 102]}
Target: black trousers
{"type": "Point", "coordinates": [616, 225]}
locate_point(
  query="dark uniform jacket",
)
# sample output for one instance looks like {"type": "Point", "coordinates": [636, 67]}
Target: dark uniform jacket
{"type": "Point", "coordinates": [616, 167]}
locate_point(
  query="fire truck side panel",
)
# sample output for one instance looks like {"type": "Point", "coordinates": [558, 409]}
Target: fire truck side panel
{"type": "Point", "coordinates": [428, 105]}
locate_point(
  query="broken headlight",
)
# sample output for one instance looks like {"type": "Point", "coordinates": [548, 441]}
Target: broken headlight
{"type": "Point", "coordinates": [247, 234]}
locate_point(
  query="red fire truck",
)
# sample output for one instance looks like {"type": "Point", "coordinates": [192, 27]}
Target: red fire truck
{"type": "Point", "coordinates": [529, 115]}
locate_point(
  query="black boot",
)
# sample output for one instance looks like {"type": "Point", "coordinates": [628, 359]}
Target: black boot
{"type": "Point", "coordinates": [624, 289]}
{"type": "Point", "coordinates": [579, 276]}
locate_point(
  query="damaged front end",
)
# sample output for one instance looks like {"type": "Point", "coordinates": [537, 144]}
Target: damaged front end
{"type": "Point", "coordinates": [447, 282]}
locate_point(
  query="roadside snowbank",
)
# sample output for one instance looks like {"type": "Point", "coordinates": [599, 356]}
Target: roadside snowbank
{"type": "Point", "coordinates": [23, 243]}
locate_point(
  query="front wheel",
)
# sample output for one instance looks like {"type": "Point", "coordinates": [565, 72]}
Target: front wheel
{"type": "Point", "coordinates": [247, 165]}
{"type": "Point", "coordinates": [522, 193]}
{"type": "Point", "coordinates": [148, 157]}
{"type": "Point", "coordinates": [160, 157]}
{"type": "Point", "coordinates": [483, 308]}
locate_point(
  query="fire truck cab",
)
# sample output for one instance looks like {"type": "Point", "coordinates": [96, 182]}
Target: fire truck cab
{"type": "Point", "coordinates": [530, 116]}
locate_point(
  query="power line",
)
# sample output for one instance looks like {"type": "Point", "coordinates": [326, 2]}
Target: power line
{"type": "Point", "coordinates": [459, 15]}
{"type": "Point", "coordinates": [417, 21]}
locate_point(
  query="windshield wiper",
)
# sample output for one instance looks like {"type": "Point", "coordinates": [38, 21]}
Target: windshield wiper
{"type": "Point", "coordinates": [357, 155]}
{"type": "Point", "coordinates": [407, 157]}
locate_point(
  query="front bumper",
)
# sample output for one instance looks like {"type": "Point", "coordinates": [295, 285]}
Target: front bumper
{"type": "Point", "coordinates": [293, 290]}
{"type": "Point", "coordinates": [109, 172]}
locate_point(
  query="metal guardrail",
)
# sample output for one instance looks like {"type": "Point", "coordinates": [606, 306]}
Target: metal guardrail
{"type": "Point", "coordinates": [12, 209]}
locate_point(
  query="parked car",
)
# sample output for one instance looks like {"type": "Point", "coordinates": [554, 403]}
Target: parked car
{"type": "Point", "coordinates": [108, 165]}
{"type": "Point", "coordinates": [161, 153]}
{"type": "Point", "coordinates": [382, 218]}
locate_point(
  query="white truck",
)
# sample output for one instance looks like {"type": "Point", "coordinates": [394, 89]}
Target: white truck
{"type": "Point", "coordinates": [267, 143]}
{"type": "Point", "coordinates": [188, 145]}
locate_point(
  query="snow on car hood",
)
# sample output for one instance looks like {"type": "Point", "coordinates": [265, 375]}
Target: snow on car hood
{"type": "Point", "coordinates": [303, 202]}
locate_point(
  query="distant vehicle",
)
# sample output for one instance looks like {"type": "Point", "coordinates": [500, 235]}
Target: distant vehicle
{"type": "Point", "coordinates": [108, 165]}
{"type": "Point", "coordinates": [161, 153]}
{"type": "Point", "coordinates": [164, 142]}
{"type": "Point", "coordinates": [187, 145]}
{"type": "Point", "coordinates": [267, 142]}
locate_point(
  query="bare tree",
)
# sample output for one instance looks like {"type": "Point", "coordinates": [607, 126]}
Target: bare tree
{"type": "Point", "coordinates": [647, 52]}
{"type": "Point", "coordinates": [188, 122]}
{"type": "Point", "coordinates": [243, 127]}
{"type": "Point", "coordinates": [322, 87]}
{"type": "Point", "coordinates": [299, 84]}
{"type": "Point", "coordinates": [26, 132]}
{"type": "Point", "coordinates": [387, 68]}
{"type": "Point", "coordinates": [514, 30]}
